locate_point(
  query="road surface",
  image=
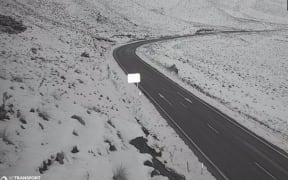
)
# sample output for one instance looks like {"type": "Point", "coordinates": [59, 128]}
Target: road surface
{"type": "Point", "coordinates": [229, 150]}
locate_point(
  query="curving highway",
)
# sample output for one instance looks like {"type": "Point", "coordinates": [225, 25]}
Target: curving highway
{"type": "Point", "coordinates": [229, 150]}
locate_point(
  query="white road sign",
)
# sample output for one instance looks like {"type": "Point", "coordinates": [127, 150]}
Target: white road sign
{"type": "Point", "coordinates": [134, 78]}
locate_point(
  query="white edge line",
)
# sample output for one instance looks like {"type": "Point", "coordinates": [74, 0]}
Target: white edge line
{"type": "Point", "coordinates": [236, 124]}
{"type": "Point", "coordinates": [118, 62]}
{"type": "Point", "coordinates": [263, 169]}
{"type": "Point", "coordinates": [189, 100]}
{"type": "Point", "coordinates": [217, 132]}
{"type": "Point", "coordinates": [206, 104]}
{"type": "Point", "coordinates": [179, 128]}
{"type": "Point", "coordinates": [215, 110]}
{"type": "Point", "coordinates": [183, 132]}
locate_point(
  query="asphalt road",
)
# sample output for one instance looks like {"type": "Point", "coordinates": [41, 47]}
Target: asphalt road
{"type": "Point", "coordinates": [229, 150]}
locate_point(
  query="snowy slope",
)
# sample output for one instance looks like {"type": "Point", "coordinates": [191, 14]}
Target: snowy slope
{"type": "Point", "coordinates": [273, 11]}
{"type": "Point", "coordinates": [247, 14]}
{"type": "Point", "coordinates": [66, 109]}
{"type": "Point", "coordinates": [243, 75]}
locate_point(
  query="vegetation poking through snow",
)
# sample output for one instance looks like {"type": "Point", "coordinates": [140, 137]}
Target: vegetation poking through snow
{"type": "Point", "coordinates": [140, 143]}
{"type": "Point", "coordinates": [62, 64]}
{"type": "Point", "coordinates": [3, 114]}
{"type": "Point", "coordinates": [79, 119]}
{"type": "Point", "coordinates": [111, 146]}
{"type": "Point", "coordinates": [75, 133]}
{"type": "Point", "coordinates": [75, 149]}
{"type": "Point", "coordinates": [173, 68]}
{"type": "Point", "coordinates": [3, 111]}
{"type": "Point", "coordinates": [60, 157]}
{"type": "Point", "coordinates": [85, 54]}
{"type": "Point", "coordinates": [120, 173]}
{"type": "Point", "coordinates": [204, 31]}
{"type": "Point", "coordinates": [10, 25]}
{"type": "Point", "coordinates": [43, 114]}
{"type": "Point", "coordinates": [41, 125]}
{"type": "Point", "coordinates": [6, 138]}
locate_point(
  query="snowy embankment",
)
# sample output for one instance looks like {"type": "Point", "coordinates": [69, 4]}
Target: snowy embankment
{"type": "Point", "coordinates": [243, 75]}
{"type": "Point", "coordinates": [66, 109]}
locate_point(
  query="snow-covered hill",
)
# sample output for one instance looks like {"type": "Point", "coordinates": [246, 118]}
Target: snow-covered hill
{"type": "Point", "coordinates": [66, 109]}
{"type": "Point", "coordinates": [244, 74]}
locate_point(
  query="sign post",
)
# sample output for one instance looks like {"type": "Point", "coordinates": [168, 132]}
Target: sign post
{"type": "Point", "coordinates": [134, 78]}
{"type": "Point", "coordinates": [202, 167]}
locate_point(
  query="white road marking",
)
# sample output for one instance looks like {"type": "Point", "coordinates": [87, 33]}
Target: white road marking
{"type": "Point", "coordinates": [266, 171]}
{"type": "Point", "coordinates": [163, 97]}
{"type": "Point", "coordinates": [183, 133]}
{"type": "Point", "coordinates": [213, 129]}
{"type": "Point", "coordinates": [231, 121]}
{"type": "Point", "coordinates": [208, 106]}
{"type": "Point", "coordinates": [186, 99]}
{"type": "Point", "coordinates": [263, 155]}
{"type": "Point", "coordinates": [189, 100]}
{"type": "Point", "coordinates": [183, 105]}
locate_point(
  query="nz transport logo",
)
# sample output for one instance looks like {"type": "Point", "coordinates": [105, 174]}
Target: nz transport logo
{"type": "Point", "coordinates": [20, 178]}
{"type": "Point", "coordinates": [4, 178]}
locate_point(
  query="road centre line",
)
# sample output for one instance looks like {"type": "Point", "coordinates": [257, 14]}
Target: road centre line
{"type": "Point", "coordinates": [213, 129]}
{"type": "Point", "coordinates": [165, 99]}
{"type": "Point", "coordinates": [266, 171]}
{"type": "Point", "coordinates": [186, 99]}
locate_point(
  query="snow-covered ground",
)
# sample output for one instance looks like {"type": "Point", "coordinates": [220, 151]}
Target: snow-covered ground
{"type": "Point", "coordinates": [243, 14]}
{"type": "Point", "coordinates": [66, 109]}
{"type": "Point", "coordinates": [243, 75]}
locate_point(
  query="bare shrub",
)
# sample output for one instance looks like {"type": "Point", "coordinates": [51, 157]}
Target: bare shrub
{"type": "Point", "coordinates": [173, 68]}
{"type": "Point", "coordinates": [41, 126]}
{"type": "Point", "coordinates": [204, 31]}
{"type": "Point", "coordinates": [85, 54]}
{"type": "Point", "coordinates": [17, 79]}
{"type": "Point", "coordinates": [3, 112]}
{"type": "Point", "coordinates": [75, 149]}
{"type": "Point", "coordinates": [5, 138]}
{"type": "Point", "coordinates": [75, 133]}
{"type": "Point", "coordinates": [5, 97]}
{"type": "Point", "coordinates": [120, 173]}
{"type": "Point", "coordinates": [60, 157]}
{"type": "Point", "coordinates": [44, 115]}
{"type": "Point", "coordinates": [10, 25]}
{"type": "Point", "coordinates": [79, 119]}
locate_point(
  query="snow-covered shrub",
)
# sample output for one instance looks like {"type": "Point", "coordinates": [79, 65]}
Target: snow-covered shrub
{"type": "Point", "coordinates": [173, 68]}
{"type": "Point", "coordinates": [120, 173]}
